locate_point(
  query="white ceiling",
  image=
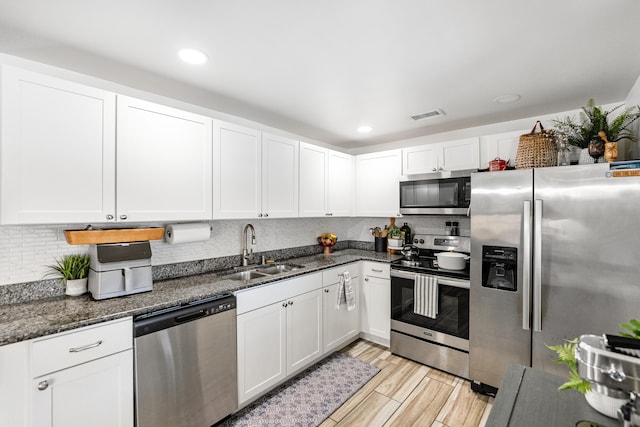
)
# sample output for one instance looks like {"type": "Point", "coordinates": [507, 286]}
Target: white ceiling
{"type": "Point", "coordinates": [321, 69]}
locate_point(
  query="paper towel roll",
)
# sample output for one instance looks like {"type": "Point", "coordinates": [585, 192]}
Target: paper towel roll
{"type": "Point", "coordinates": [185, 233]}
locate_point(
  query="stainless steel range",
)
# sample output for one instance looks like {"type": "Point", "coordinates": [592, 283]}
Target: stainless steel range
{"type": "Point", "coordinates": [430, 305]}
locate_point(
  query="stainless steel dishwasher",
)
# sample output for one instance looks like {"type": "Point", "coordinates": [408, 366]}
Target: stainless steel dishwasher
{"type": "Point", "coordinates": [185, 364]}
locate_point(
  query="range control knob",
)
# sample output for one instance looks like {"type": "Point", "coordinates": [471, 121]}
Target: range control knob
{"type": "Point", "coordinates": [421, 240]}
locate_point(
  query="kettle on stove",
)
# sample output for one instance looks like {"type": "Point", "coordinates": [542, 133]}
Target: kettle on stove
{"type": "Point", "coordinates": [410, 252]}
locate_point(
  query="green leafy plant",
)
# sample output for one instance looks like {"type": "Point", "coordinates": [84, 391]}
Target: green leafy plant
{"type": "Point", "coordinates": [594, 119]}
{"type": "Point", "coordinates": [632, 329]}
{"type": "Point", "coordinates": [395, 233]}
{"type": "Point", "coordinates": [567, 356]}
{"type": "Point", "coordinates": [71, 267]}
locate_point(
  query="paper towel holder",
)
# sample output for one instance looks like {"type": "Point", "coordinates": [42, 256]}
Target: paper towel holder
{"type": "Point", "coordinates": [187, 232]}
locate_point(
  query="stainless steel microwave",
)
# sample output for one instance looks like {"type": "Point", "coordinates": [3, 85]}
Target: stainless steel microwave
{"type": "Point", "coordinates": [435, 194]}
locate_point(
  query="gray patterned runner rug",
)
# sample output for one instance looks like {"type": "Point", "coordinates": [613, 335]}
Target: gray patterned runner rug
{"type": "Point", "coordinates": [310, 397]}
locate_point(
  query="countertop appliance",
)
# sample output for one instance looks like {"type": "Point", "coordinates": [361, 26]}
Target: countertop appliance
{"type": "Point", "coordinates": [118, 269]}
{"type": "Point", "coordinates": [554, 256]}
{"type": "Point", "coordinates": [430, 306]}
{"type": "Point", "coordinates": [185, 364]}
{"type": "Point", "coordinates": [612, 365]}
{"type": "Point", "coordinates": [436, 194]}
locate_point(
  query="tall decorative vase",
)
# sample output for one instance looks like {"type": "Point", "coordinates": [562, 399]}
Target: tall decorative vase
{"type": "Point", "coordinates": [610, 151]}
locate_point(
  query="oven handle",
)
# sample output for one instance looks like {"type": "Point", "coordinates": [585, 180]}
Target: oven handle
{"type": "Point", "coordinates": [464, 284]}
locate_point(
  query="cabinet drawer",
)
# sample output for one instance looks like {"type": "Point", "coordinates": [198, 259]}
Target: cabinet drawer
{"type": "Point", "coordinates": [60, 351]}
{"type": "Point", "coordinates": [376, 269]}
{"type": "Point", "coordinates": [261, 296]}
{"type": "Point", "coordinates": [332, 276]}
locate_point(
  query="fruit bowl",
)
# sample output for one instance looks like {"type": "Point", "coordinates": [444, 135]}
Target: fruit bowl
{"type": "Point", "coordinates": [327, 240]}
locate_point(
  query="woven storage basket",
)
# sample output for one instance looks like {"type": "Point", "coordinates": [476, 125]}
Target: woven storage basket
{"type": "Point", "coordinates": [536, 149]}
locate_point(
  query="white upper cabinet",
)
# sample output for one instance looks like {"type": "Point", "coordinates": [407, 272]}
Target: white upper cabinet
{"type": "Point", "coordinates": [340, 184]}
{"type": "Point", "coordinates": [164, 163]}
{"type": "Point", "coordinates": [326, 182]}
{"type": "Point", "coordinates": [502, 145]}
{"type": "Point", "coordinates": [280, 159]}
{"type": "Point", "coordinates": [58, 150]}
{"type": "Point", "coordinates": [445, 156]}
{"type": "Point", "coordinates": [377, 187]}
{"type": "Point", "coordinates": [255, 174]}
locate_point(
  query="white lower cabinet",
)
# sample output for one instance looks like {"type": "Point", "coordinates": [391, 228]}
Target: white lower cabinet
{"type": "Point", "coordinates": [83, 377]}
{"type": "Point", "coordinates": [97, 393]}
{"type": "Point", "coordinates": [339, 324]}
{"type": "Point", "coordinates": [279, 332]}
{"type": "Point", "coordinates": [376, 302]}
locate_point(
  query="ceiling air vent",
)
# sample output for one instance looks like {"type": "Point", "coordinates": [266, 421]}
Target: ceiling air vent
{"type": "Point", "coordinates": [434, 113]}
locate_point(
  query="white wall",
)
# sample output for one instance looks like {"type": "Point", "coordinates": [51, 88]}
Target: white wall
{"type": "Point", "coordinates": [25, 251]}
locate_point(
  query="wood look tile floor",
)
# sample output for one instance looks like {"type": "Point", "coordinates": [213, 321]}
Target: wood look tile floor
{"type": "Point", "coordinates": [406, 393]}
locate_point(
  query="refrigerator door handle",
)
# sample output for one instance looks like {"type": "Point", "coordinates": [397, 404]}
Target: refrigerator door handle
{"type": "Point", "coordinates": [537, 267]}
{"type": "Point", "coordinates": [526, 264]}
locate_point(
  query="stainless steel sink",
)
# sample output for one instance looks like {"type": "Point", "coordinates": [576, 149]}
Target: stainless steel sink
{"type": "Point", "coordinates": [278, 268]}
{"type": "Point", "coordinates": [244, 275]}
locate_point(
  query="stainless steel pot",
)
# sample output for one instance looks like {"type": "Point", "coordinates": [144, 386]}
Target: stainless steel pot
{"type": "Point", "coordinates": [452, 260]}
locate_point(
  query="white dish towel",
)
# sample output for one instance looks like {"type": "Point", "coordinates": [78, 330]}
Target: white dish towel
{"type": "Point", "coordinates": [425, 296]}
{"type": "Point", "coordinates": [345, 292]}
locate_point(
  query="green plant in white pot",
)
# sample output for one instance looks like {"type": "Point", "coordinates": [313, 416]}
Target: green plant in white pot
{"type": "Point", "coordinates": [74, 270]}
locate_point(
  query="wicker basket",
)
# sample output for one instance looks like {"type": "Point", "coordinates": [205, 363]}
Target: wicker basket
{"type": "Point", "coordinates": [536, 149]}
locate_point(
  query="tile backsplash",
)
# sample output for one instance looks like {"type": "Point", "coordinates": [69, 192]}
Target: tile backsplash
{"type": "Point", "coordinates": [26, 250]}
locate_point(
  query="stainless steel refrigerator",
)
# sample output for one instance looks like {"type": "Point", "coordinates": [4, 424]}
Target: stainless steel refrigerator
{"type": "Point", "coordinates": [555, 253]}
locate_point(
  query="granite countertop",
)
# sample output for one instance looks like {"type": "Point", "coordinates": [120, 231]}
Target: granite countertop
{"type": "Point", "coordinates": [23, 321]}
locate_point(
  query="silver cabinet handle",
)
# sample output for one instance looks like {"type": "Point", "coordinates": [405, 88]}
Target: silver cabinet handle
{"type": "Point", "coordinates": [85, 347]}
{"type": "Point", "coordinates": [326, 291]}
{"type": "Point", "coordinates": [109, 217]}
{"type": "Point", "coordinates": [377, 271]}
{"type": "Point", "coordinates": [259, 215]}
{"type": "Point", "coordinates": [537, 267]}
{"type": "Point", "coordinates": [434, 170]}
{"type": "Point", "coordinates": [123, 217]}
{"type": "Point", "coordinates": [43, 385]}
{"type": "Point", "coordinates": [290, 303]}
{"type": "Point", "coordinates": [366, 279]}
{"type": "Point", "coordinates": [284, 304]}
{"type": "Point", "coordinates": [266, 215]}
{"type": "Point", "coordinates": [526, 264]}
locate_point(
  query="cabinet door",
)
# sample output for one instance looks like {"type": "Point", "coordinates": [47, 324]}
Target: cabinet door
{"type": "Point", "coordinates": [304, 330]}
{"type": "Point", "coordinates": [15, 384]}
{"type": "Point", "coordinates": [377, 188]}
{"type": "Point", "coordinates": [376, 305]}
{"type": "Point", "coordinates": [503, 145]}
{"type": "Point", "coordinates": [237, 168]}
{"type": "Point", "coordinates": [422, 159]}
{"type": "Point", "coordinates": [58, 150]}
{"type": "Point", "coordinates": [279, 177]}
{"type": "Point", "coordinates": [313, 180]}
{"type": "Point", "coordinates": [261, 349]}
{"type": "Point", "coordinates": [97, 394]}
{"type": "Point", "coordinates": [164, 163]}
{"type": "Point", "coordinates": [339, 324]}
{"type": "Point", "coordinates": [340, 184]}
{"type": "Point", "coordinates": [461, 154]}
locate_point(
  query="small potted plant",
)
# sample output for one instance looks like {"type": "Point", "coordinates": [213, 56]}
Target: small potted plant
{"type": "Point", "coordinates": [395, 238]}
{"type": "Point", "coordinates": [74, 270]}
{"type": "Point", "coordinates": [585, 134]}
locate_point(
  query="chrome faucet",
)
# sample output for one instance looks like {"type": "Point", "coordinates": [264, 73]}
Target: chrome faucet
{"type": "Point", "coordinates": [247, 254]}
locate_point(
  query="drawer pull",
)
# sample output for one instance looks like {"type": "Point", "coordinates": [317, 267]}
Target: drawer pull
{"type": "Point", "coordinates": [86, 347]}
{"type": "Point", "coordinates": [377, 271]}
{"type": "Point", "coordinates": [43, 385]}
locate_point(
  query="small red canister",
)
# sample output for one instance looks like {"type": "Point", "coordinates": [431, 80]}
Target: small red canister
{"type": "Point", "coordinates": [497, 164]}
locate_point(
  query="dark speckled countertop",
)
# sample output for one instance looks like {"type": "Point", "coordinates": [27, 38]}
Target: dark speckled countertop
{"type": "Point", "coordinates": [23, 321]}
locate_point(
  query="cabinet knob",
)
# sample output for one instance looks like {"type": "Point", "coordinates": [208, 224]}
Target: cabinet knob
{"type": "Point", "coordinates": [434, 170]}
{"type": "Point", "coordinates": [266, 215]}
{"type": "Point", "coordinates": [290, 303]}
{"type": "Point", "coordinates": [123, 217]}
{"type": "Point", "coordinates": [43, 385]}
{"type": "Point", "coordinates": [326, 291]}
{"type": "Point", "coordinates": [366, 279]}
{"type": "Point", "coordinates": [284, 304]}
{"type": "Point", "coordinates": [109, 217]}
{"type": "Point", "coordinates": [259, 215]}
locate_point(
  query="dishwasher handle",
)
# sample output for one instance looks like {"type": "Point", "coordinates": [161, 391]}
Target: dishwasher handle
{"type": "Point", "coordinates": [191, 316]}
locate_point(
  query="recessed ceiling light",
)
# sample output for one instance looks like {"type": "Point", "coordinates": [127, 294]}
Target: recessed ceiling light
{"type": "Point", "coordinates": [507, 99]}
{"type": "Point", "coordinates": [364, 129]}
{"type": "Point", "coordinates": [193, 56]}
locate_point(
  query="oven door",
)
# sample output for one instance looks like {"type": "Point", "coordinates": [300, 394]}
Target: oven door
{"type": "Point", "coordinates": [450, 326]}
